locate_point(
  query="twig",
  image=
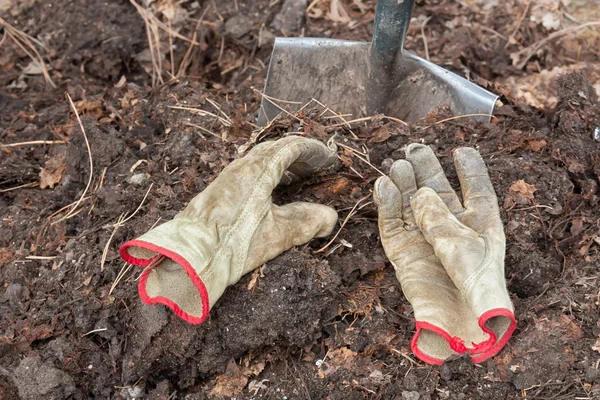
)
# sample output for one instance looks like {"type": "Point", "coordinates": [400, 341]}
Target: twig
{"type": "Point", "coordinates": [512, 35]}
{"type": "Point", "coordinates": [533, 48]}
{"type": "Point", "coordinates": [27, 185]}
{"type": "Point", "coordinates": [204, 130]}
{"type": "Point", "coordinates": [23, 40]}
{"type": "Point", "coordinates": [272, 101]}
{"type": "Point", "coordinates": [32, 142]}
{"type": "Point", "coordinates": [120, 276]}
{"type": "Point", "coordinates": [459, 117]}
{"type": "Point", "coordinates": [350, 215]}
{"type": "Point", "coordinates": [425, 37]}
{"type": "Point", "coordinates": [160, 24]}
{"type": "Point", "coordinates": [186, 58]}
{"type": "Point", "coordinates": [107, 245]}
{"type": "Point", "coordinates": [372, 117]}
{"type": "Point", "coordinates": [218, 107]}
{"type": "Point", "coordinates": [137, 209]}
{"type": "Point", "coordinates": [40, 257]}
{"type": "Point", "coordinates": [203, 113]}
{"type": "Point", "coordinates": [96, 330]}
{"type": "Point", "coordinates": [355, 153]}
{"type": "Point", "coordinates": [89, 150]}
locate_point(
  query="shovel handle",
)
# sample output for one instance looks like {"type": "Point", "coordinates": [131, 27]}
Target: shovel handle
{"type": "Point", "coordinates": [392, 18]}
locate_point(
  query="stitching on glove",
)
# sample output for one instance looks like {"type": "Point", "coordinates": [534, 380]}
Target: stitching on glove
{"type": "Point", "coordinates": [250, 197]}
{"type": "Point", "coordinates": [487, 260]}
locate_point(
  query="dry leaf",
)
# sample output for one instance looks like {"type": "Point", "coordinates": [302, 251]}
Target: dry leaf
{"type": "Point", "coordinates": [258, 273]}
{"type": "Point", "coordinates": [521, 192]}
{"type": "Point", "coordinates": [254, 369]}
{"type": "Point", "coordinates": [537, 145]}
{"type": "Point", "coordinates": [596, 346]}
{"type": "Point", "coordinates": [5, 255]}
{"type": "Point", "coordinates": [381, 134]}
{"type": "Point", "coordinates": [337, 12]}
{"type": "Point", "coordinates": [342, 358]}
{"type": "Point", "coordinates": [230, 383]}
{"type": "Point", "coordinates": [576, 226]}
{"type": "Point", "coordinates": [53, 171]}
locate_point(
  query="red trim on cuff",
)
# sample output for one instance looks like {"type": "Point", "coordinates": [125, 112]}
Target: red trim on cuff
{"type": "Point", "coordinates": [495, 349]}
{"type": "Point", "coordinates": [455, 342]}
{"type": "Point", "coordinates": [160, 299]}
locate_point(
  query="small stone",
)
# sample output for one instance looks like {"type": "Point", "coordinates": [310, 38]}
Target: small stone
{"type": "Point", "coordinates": [138, 179]}
{"type": "Point", "coordinates": [386, 165]}
{"type": "Point", "coordinates": [37, 380]}
{"type": "Point", "coordinates": [406, 395]}
{"type": "Point", "coordinates": [265, 38]}
{"type": "Point", "coordinates": [238, 26]}
{"type": "Point", "coordinates": [591, 374]}
{"type": "Point", "coordinates": [291, 16]}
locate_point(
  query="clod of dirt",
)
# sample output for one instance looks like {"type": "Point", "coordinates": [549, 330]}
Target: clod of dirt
{"type": "Point", "coordinates": [238, 26]}
{"type": "Point", "coordinates": [406, 395]}
{"type": "Point", "coordinates": [577, 111]}
{"type": "Point", "coordinates": [291, 16]}
{"type": "Point", "coordinates": [541, 353]}
{"type": "Point", "coordinates": [286, 308]}
{"type": "Point", "coordinates": [530, 271]}
{"type": "Point", "coordinates": [36, 380]}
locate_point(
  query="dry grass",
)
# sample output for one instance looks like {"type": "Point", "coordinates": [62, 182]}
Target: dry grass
{"type": "Point", "coordinates": [26, 43]}
{"type": "Point", "coordinates": [71, 212]}
{"type": "Point", "coordinates": [153, 28]}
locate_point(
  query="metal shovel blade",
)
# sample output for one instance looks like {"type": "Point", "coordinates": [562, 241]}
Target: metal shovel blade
{"type": "Point", "coordinates": [361, 79]}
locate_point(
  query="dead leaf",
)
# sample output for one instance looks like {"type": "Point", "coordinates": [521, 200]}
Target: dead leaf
{"type": "Point", "coordinates": [230, 383]}
{"type": "Point", "coordinates": [381, 134]}
{"type": "Point", "coordinates": [537, 145]}
{"type": "Point", "coordinates": [258, 273]}
{"type": "Point", "coordinates": [337, 12]}
{"type": "Point", "coordinates": [254, 369]}
{"type": "Point", "coordinates": [53, 171]}
{"type": "Point", "coordinates": [576, 226]}
{"type": "Point", "coordinates": [521, 192]}
{"type": "Point", "coordinates": [88, 280]}
{"type": "Point", "coordinates": [342, 358]}
{"type": "Point", "coordinates": [5, 255]}
{"type": "Point", "coordinates": [596, 346]}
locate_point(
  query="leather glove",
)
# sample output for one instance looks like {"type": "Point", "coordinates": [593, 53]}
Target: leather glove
{"type": "Point", "coordinates": [448, 255]}
{"type": "Point", "coordinates": [230, 228]}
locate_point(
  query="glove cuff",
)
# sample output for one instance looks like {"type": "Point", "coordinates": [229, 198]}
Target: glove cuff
{"type": "Point", "coordinates": [455, 343]}
{"type": "Point", "coordinates": [502, 316]}
{"type": "Point", "coordinates": [159, 254]}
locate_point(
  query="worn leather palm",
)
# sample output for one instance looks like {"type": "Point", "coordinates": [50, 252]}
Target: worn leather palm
{"type": "Point", "coordinates": [448, 255]}
{"type": "Point", "coordinates": [230, 228]}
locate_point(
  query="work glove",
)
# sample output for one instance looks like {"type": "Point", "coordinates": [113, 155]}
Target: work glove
{"type": "Point", "coordinates": [231, 228]}
{"type": "Point", "coordinates": [448, 255]}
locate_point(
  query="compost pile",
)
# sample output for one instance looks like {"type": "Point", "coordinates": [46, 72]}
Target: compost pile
{"type": "Point", "coordinates": [323, 321]}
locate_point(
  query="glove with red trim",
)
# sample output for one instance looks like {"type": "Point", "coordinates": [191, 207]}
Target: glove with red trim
{"type": "Point", "coordinates": [449, 258]}
{"type": "Point", "coordinates": [230, 228]}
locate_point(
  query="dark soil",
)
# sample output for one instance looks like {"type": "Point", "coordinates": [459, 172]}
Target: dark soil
{"type": "Point", "coordinates": [326, 325]}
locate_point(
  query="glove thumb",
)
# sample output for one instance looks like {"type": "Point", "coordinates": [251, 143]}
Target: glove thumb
{"type": "Point", "coordinates": [454, 243]}
{"type": "Point", "coordinates": [286, 226]}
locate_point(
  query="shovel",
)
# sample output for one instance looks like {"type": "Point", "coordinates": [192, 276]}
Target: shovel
{"type": "Point", "coordinates": [364, 79]}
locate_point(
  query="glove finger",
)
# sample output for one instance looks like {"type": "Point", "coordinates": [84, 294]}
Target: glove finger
{"type": "Point", "coordinates": [453, 242]}
{"type": "Point", "coordinates": [389, 206]}
{"type": "Point", "coordinates": [287, 226]}
{"type": "Point", "coordinates": [477, 189]}
{"type": "Point", "coordinates": [403, 176]}
{"type": "Point", "coordinates": [429, 173]}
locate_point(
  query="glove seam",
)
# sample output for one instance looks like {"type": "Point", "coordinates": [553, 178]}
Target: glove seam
{"type": "Point", "coordinates": [487, 261]}
{"type": "Point", "coordinates": [243, 214]}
